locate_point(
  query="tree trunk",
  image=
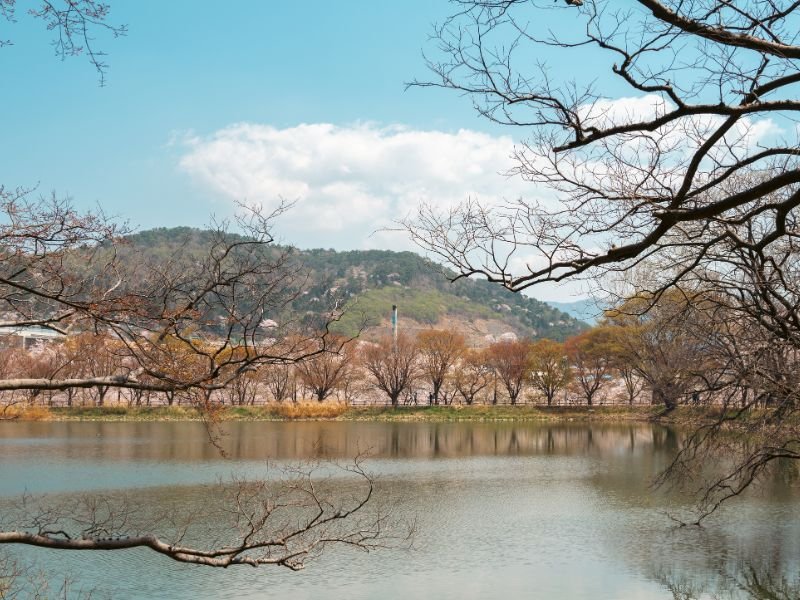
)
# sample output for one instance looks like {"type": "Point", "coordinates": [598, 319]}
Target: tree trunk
{"type": "Point", "coordinates": [665, 397]}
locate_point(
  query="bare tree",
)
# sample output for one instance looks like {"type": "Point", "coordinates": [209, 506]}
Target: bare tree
{"type": "Point", "coordinates": [549, 368]}
{"type": "Point", "coordinates": [278, 379]}
{"type": "Point", "coordinates": [628, 180]}
{"type": "Point", "coordinates": [622, 366]}
{"type": "Point", "coordinates": [592, 355]}
{"type": "Point", "coordinates": [324, 373]}
{"type": "Point", "coordinates": [473, 374]}
{"type": "Point", "coordinates": [510, 361]}
{"type": "Point", "coordinates": [661, 345]}
{"type": "Point", "coordinates": [186, 322]}
{"type": "Point", "coordinates": [38, 364]}
{"type": "Point", "coordinates": [88, 355]}
{"type": "Point", "coordinates": [439, 352]}
{"type": "Point", "coordinates": [243, 390]}
{"type": "Point", "coordinates": [261, 522]}
{"type": "Point", "coordinates": [393, 365]}
{"type": "Point", "coordinates": [753, 382]}
{"type": "Point", "coordinates": [10, 573]}
{"type": "Point", "coordinates": [75, 23]}
{"type": "Point", "coordinates": [693, 178]}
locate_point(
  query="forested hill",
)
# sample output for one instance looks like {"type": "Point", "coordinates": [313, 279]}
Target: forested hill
{"type": "Point", "coordinates": [370, 281]}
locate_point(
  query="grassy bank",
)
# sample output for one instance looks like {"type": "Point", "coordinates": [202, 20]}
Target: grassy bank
{"type": "Point", "coordinates": [340, 412]}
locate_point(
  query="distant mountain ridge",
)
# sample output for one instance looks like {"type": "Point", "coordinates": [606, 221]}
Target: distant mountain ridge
{"type": "Point", "coordinates": [371, 281]}
{"type": "Point", "coordinates": [588, 310]}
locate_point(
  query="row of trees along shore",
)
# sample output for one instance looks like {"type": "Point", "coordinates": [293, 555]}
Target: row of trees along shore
{"type": "Point", "coordinates": [638, 353]}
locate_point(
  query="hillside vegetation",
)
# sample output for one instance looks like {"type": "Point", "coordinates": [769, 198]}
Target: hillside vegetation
{"type": "Point", "coordinates": [369, 282]}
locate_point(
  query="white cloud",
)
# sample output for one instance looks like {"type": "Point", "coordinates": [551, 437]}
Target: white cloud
{"type": "Point", "coordinates": [350, 181]}
{"type": "Point", "coordinates": [606, 113]}
{"type": "Point", "coordinates": [684, 135]}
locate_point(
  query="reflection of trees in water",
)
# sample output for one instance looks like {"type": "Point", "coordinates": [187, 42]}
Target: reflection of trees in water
{"type": "Point", "coordinates": [768, 585]}
{"type": "Point", "coordinates": [632, 454]}
{"type": "Point", "coordinates": [301, 441]}
{"type": "Point", "coordinates": [434, 440]}
{"type": "Point", "coordinates": [750, 582]}
{"type": "Point", "coordinates": [734, 559]}
{"type": "Point", "coordinates": [666, 438]}
{"type": "Point", "coordinates": [749, 550]}
{"type": "Point", "coordinates": [783, 479]}
{"type": "Point", "coordinates": [442, 440]}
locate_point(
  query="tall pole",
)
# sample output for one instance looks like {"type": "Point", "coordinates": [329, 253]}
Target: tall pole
{"type": "Point", "coordinates": [394, 326]}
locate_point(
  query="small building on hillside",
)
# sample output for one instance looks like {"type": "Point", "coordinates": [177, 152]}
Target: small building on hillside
{"type": "Point", "coordinates": [27, 337]}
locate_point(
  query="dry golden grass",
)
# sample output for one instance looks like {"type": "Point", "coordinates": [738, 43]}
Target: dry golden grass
{"type": "Point", "coordinates": [310, 410]}
{"type": "Point", "coordinates": [25, 412]}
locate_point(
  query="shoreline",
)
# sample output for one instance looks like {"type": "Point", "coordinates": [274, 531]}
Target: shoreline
{"type": "Point", "coordinates": [340, 412]}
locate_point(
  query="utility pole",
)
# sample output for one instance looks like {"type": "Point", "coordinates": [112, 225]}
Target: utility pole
{"type": "Point", "coordinates": [394, 326]}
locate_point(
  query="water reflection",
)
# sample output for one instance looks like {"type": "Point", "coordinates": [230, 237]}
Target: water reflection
{"type": "Point", "coordinates": [299, 441]}
{"type": "Point", "coordinates": [504, 510]}
{"type": "Point", "coordinates": [743, 581]}
{"type": "Point", "coordinates": [739, 555]}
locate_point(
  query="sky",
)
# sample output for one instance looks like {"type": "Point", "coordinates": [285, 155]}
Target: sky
{"type": "Point", "coordinates": [207, 104]}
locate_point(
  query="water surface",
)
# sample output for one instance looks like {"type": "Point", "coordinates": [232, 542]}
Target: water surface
{"type": "Point", "coordinates": [503, 510]}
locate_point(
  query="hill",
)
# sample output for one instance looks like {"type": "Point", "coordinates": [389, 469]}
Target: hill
{"type": "Point", "coordinates": [369, 282]}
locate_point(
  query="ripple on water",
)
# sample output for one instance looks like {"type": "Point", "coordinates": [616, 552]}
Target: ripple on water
{"type": "Point", "coordinates": [503, 510]}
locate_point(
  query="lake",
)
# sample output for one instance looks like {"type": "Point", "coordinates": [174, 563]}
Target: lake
{"type": "Point", "coordinates": [503, 510]}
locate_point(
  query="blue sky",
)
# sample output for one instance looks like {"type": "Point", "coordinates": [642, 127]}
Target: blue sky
{"type": "Point", "coordinates": [200, 66]}
{"type": "Point", "coordinates": [210, 103]}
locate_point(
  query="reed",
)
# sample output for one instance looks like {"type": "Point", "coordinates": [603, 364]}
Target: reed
{"type": "Point", "coordinates": [310, 410]}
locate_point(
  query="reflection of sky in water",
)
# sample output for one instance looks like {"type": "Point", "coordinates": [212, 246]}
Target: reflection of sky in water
{"type": "Point", "coordinates": [503, 511]}
{"type": "Point", "coordinates": [57, 476]}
